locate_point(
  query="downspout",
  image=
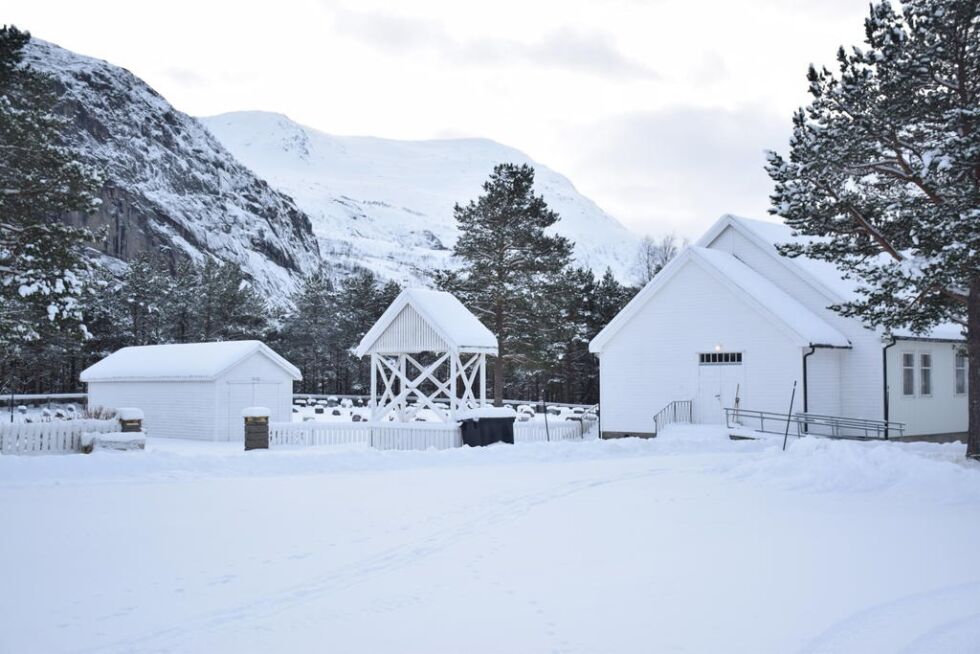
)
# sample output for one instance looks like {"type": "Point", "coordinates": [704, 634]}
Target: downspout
{"type": "Point", "coordinates": [806, 396]}
{"type": "Point", "coordinates": [598, 411]}
{"type": "Point", "coordinates": [884, 380]}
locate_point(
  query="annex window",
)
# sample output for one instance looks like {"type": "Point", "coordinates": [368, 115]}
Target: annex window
{"type": "Point", "coordinates": [960, 386]}
{"type": "Point", "coordinates": [925, 374]}
{"type": "Point", "coordinates": [908, 373]}
{"type": "Point", "coordinates": [720, 358]}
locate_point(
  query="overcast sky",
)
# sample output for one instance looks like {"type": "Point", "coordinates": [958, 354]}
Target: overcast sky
{"type": "Point", "coordinates": [658, 110]}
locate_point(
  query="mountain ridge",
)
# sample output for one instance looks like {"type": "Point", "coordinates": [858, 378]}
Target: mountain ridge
{"type": "Point", "coordinates": [170, 187]}
{"type": "Point", "coordinates": [397, 195]}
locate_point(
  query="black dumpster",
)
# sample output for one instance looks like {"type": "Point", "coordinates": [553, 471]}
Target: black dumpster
{"type": "Point", "coordinates": [487, 426]}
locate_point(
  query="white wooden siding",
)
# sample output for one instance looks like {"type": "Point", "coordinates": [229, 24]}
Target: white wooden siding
{"type": "Point", "coordinates": [410, 333]}
{"type": "Point", "coordinates": [255, 381]}
{"type": "Point", "coordinates": [942, 412]}
{"type": "Point", "coordinates": [170, 409]}
{"type": "Point", "coordinates": [823, 377]}
{"type": "Point", "coordinates": [653, 359]}
{"type": "Point", "coordinates": [859, 380]}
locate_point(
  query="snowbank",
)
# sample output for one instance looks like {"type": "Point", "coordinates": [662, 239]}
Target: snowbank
{"type": "Point", "coordinates": [256, 412]}
{"type": "Point", "coordinates": [129, 413]}
{"type": "Point", "coordinates": [487, 412]}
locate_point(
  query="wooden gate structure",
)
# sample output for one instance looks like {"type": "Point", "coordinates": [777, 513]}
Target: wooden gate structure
{"type": "Point", "coordinates": [430, 350]}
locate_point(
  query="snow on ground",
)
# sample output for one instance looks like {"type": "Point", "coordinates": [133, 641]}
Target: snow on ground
{"type": "Point", "coordinates": [689, 542]}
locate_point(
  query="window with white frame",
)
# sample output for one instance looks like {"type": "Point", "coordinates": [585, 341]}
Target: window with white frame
{"type": "Point", "coordinates": [925, 374]}
{"type": "Point", "coordinates": [960, 386]}
{"type": "Point", "coordinates": [720, 358]}
{"type": "Point", "coordinates": [908, 373]}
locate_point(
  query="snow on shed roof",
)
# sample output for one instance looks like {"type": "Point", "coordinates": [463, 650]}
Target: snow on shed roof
{"type": "Point", "coordinates": [179, 362]}
{"type": "Point", "coordinates": [766, 297]}
{"type": "Point", "coordinates": [458, 327]}
{"type": "Point", "coordinates": [823, 274]}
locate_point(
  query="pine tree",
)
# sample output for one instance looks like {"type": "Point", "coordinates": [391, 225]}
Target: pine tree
{"type": "Point", "coordinates": [509, 266]}
{"type": "Point", "coordinates": [361, 299]}
{"type": "Point", "coordinates": [310, 330]}
{"type": "Point", "coordinates": [43, 268]}
{"type": "Point", "coordinates": [228, 307]}
{"type": "Point", "coordinates": [145, 295]}
{"type": "Point", "coordinates": [884, 167]}
{"type": "Point", "coordinates": [181, 304]}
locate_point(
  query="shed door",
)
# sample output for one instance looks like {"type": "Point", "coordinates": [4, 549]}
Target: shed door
{"type": "Point", "coordinates": [720, 376]}
{"type": "Point", "coordinates": [247, 393]}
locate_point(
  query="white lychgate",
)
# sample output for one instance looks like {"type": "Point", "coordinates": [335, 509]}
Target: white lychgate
{"type": "Point", "coordinates": [428, 348]}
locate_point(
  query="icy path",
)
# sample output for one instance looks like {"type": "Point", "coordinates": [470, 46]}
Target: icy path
{"type": "Point", "coordinates": [687, 543]}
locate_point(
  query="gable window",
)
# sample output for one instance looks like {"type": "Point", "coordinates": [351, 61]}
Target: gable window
{"type": "Point", "coordinates": [720, 358]}
{"type": "Point", "coordinates": [908, 374]}
{"type": "Point", "coordinates": [960, 386]}
{"type": "Point", "coordinates": [925, 374]}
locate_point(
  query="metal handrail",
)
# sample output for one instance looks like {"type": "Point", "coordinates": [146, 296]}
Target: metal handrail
{"type": "Point", "coordinates": [811, 424]}
{"type": "Point", "coordinates": [677, 411]}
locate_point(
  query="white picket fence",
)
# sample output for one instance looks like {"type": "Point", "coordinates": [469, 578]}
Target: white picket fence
{"type": "Point", "coordinates": [533, 432]}
{"type": "Point", "coordinates": [56, 437]}
{"type": "Point", "coordinates": [407, 436]}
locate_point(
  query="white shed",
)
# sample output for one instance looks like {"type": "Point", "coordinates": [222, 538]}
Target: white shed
{"type": "Point", "coordinates": [194, 390]}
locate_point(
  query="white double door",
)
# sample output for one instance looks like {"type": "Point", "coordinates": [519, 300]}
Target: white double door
{"type": "Point", "coordinates": [717, 389]}
{"type": "Point", "coordinates": [246, 393]}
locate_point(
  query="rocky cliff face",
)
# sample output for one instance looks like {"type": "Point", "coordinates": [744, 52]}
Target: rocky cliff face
{"type": "Point", "coordinates": [170, 186]}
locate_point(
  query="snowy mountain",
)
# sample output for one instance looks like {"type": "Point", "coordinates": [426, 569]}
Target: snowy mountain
{"type": "Point", "coordinates": [170, 186]}
{"type": "Point", "coordinates": [388, 204]}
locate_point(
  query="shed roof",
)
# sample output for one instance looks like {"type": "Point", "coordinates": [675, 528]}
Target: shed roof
{"type": "Point", "coordinates": [180, 362]}
{"type": "Point", "coordinates": [444, 313]}
{"type": "Point", "coordinates": [805, 327]}
{"type": "Point", "coordinates": [823, 275]}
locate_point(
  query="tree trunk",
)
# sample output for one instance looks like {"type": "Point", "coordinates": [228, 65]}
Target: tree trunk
{"type": "Point", "coordinates": [973, 369]}
{"type": "Point", "coordinates": [498, 378]}
{"type": "Point", "coordinates": [498, 362]}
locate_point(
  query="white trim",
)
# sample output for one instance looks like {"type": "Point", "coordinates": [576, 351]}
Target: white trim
{"type": "Point", "coordinates": [903, 368]}
{"type": "Point", "coordinates": [957, 357]}
{"type": "Point", "coordinates": [922, 368]}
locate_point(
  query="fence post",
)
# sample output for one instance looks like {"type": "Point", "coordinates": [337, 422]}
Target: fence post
{"type": "Point", "coordinates": [130, 420]}
{"type": "Point", "coordinates": [256, 427]}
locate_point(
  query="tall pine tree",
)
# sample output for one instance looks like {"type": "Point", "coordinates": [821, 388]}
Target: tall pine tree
{"type": "Point", "coordinates": [884, 167]}
{"type": "Point", "coordinates": [510, 266]}
{"type": "Point", "coordinates": [43, 267]}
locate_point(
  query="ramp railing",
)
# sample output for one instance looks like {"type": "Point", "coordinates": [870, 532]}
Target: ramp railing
{"type": "Point", "coordinates": [812, 424]}
{"type": "Point", "coordinates": [678, 411]}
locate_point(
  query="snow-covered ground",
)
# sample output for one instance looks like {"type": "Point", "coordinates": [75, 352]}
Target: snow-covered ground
{"type": "Point", "coordinates": [689, 542]}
